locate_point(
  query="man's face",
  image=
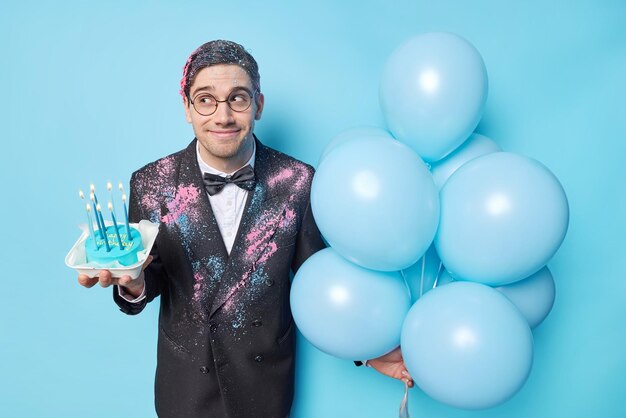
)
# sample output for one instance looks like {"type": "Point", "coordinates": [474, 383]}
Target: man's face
{"type": "Point", "coordinates": [225, 137]}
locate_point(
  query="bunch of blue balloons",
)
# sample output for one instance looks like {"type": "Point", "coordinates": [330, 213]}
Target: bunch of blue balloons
{"type": "Point", "coordinates": [438, 239]}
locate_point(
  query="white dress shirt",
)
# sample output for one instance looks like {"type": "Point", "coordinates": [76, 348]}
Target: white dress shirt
{"type": "Point", "coordinates": [227, 206]}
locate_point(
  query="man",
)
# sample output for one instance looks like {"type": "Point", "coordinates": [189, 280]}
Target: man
{"type": "Point", "coordinates": [234, 217]}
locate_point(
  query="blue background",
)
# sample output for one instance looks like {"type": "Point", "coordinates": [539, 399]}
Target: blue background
{"type": "Point", "coordinates": [89, 92]}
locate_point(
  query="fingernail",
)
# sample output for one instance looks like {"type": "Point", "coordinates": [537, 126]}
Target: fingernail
{"type": "Point", "coordinates": [404, 373]}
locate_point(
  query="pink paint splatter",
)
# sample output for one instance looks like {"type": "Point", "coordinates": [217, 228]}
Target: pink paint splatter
{"type": "Point", "coordinates": [197, 287]}
{"type": "Point", "coordinates": [262, 230]}
{"type": "Point", "coordinates": [272, 247]}
{"type": "Point", "coordinates": [303, 177]}
{"type": "Point", "coordinates": [290, 215]}
{"type": "Point", "coordinates": [185, 195]}
{"type": "Point", "coordinates": [283, 174]}
{"type": "Point", "coordinates": [152, 188]}
{"type": "Point", "coordinates": [230, 301]}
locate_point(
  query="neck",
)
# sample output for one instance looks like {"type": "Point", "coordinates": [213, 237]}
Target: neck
{"type": "Point", "coordinates": [231, 164]}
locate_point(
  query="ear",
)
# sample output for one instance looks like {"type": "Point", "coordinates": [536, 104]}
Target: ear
{"type": "Point", "coordinates": [260, 102]}
{"type": "Point", "coordinates": [187, 106]}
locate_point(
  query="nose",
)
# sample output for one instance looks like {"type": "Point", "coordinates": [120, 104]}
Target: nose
{"type": "Point", "coordinates": [223, 114]}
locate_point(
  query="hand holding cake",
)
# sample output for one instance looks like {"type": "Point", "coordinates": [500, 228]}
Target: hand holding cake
{"type": "Point", "coordinates": [106, 279]}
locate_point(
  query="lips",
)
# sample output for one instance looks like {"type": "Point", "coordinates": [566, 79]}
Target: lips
{"type": "Point", "coordinates": [225, 134]}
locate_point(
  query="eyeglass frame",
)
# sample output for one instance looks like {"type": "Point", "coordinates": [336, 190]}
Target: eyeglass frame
{"type": "Point", "coordinates": [217, 102]}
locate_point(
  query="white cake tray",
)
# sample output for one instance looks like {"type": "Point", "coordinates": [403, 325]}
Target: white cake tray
{"type": "Point", "coordinates": [77, 260]}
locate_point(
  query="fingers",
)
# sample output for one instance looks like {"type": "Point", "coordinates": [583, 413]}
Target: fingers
{"type": "Point", "coordinates": [106, 279]}
{"type": "Point", "coordinates": [406, 378]}
{"type": "Point", "coordinates": [87, 281]}
{"type": "Point", "coordinates": [125, 281]}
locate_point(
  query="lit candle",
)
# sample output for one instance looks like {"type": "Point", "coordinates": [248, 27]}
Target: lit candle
{"type": "Point", "coordinates": [90, 224]}
{"type": "Point", "coordinates": [101, 231]}
{"type": "Point", "coordinates": [110, 189]}
{"type": "Point", "coordinates": [106, 238]}
{"type": "Point", "coordinates": [99, 214]}
{"type": "Point", "coordinates": [117, 231]}
{"type": "Point", "coordinates": [92, 189]}
{"type": "Point", "coordinates": [126, 216]}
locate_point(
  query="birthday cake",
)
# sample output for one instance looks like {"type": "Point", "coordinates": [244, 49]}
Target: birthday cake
{"type": "Point", "coordinates": [110, 243]}
{"type": "Point", "coordinates": [118, 245]}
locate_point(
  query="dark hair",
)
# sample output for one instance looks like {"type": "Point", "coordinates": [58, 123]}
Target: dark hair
{"type": "Point", "coordinates": [214, 53]}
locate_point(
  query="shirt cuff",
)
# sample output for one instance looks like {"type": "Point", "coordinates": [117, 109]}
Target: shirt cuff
{"type": "Point", "coordinates": [130, 298]}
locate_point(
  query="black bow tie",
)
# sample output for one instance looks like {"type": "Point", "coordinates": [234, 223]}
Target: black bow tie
{"type": "Point", "coordinates": [243, 178]}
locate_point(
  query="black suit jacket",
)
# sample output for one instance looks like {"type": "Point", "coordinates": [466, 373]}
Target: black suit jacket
{"type": "Point", "coordinates": [226, 334]}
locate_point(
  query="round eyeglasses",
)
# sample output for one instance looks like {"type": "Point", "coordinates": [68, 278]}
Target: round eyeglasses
{"type": "Point", "coordinates": [238, 101]}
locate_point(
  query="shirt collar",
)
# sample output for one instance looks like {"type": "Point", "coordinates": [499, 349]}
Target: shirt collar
{"type": "Point", "coordinates": [205, 168]}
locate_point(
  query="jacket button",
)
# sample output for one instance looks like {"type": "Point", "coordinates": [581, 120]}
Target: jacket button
{"type": "Point", "coordinates": [257, 323]}
{"type": "Point", "coordinates": [213, 327]}
{"type": "Point", "coordinates": [258, 358]}
{"type": "Point", "coordinates": [269, 282]}
{"type": "Point", "coordinates": [204, 369]}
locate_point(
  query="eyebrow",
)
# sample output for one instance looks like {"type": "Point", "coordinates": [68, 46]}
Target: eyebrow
{"type": "Point", "coordinates": [212, 89]}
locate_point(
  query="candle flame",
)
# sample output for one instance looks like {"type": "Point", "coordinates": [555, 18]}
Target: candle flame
{"type": "Point", "coordinates": [92, 188]}
{"type": "Point", "coordinates": [80, 193]}
{"type": "Point", "coordinates": [124, 197]}
{"type": "Point", "coordinates": [98, 207]}
{"type": "Point", "coordinates": [120, 187]}
{"type": "Point", "coordinates": [110, 206]}
{"type": "Point", "coordinates": [88, 207]}
{"type": "Point", "coordinates": [92, 197]}
{"type": "Point", "coordinates": [109, 186]}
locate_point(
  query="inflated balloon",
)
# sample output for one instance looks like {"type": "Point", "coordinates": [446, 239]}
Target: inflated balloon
{"type": "Point", "coordinates": [533, 296]}
{"type": "Point", "coordinates": [475, 146]}
{"type": "Point", "coordinates": [348, 311]}
{"type": "Point", "coordinates": [433, 92]}
{"type": "Point", "coordinates": [503, 216]}
{"type": "Point", "coordinates": [354, 133]}
{"type": "Point", "coordinates": [421, 276]}
{"type": "Point", "coordinates": [466, 345]}
{"type": "Point", "coordinates": [375, 202]}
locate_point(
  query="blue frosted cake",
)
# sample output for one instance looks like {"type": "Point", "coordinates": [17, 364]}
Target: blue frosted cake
{"type": "Point", "coordinates": [126, 255]}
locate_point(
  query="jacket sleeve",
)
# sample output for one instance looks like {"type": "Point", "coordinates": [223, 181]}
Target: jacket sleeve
{"type": "Point", "coordinates": [309, 240]}
{"type": "Point", "coordinates": [154, 273]}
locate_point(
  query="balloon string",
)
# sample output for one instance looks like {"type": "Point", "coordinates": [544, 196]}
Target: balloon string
{"type": "Point", "coordinates": [406, 283]}
{"type": "Point", "coordinates": [422, 278]}
{"type": "Point", "coordinates": [404, 405]}
{"type": "Point", "coordinates": [438, 273]}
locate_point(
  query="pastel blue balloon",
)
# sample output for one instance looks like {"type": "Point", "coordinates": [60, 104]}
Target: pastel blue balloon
{"type": "Point", "coordinates": [533, 296]}
{"type": "Point", "coordinates": [348, 311]}
{"type": "Point", "coordinates": [466, 345]}
{"type": "Point", "coordinates": [354, 133]}
{"type": "Point", "coordinates": [433, 92]}
{"type": "Point", "coordinates": [420, 283]}
{"type": "Point", "coordinates": [475, 146]}
{"type": "Point", "coordinates": [503, 216]}
{"type": "Point", "coordinates": [375, 202]}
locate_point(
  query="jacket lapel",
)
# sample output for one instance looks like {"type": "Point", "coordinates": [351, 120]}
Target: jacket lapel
{"type": "Point", "coordinates": [263, 213]}
{"type": "Point", "coordinates": [189, 217]}
{"type": "Point", "coordinates": [196, 222]}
